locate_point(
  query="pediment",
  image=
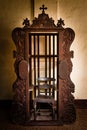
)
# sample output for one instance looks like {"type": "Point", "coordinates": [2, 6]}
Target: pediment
{"type": "Point", "coordinates": [43, 21]}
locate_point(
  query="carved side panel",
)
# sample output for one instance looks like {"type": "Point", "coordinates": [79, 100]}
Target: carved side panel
{"type": "Point", "coordinates": [66, 86]}
{"type": "Point", "coordinates": [18, 113]}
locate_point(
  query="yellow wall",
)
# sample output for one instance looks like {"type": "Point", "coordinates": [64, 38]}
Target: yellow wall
{"type": "Point", "coordinates": [74, 14]}
{"type": "Point", "coordinates": [12, 13]}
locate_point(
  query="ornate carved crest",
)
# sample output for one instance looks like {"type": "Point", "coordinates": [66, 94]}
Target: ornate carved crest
{"type": "Point", "coordinates": [43, 21]}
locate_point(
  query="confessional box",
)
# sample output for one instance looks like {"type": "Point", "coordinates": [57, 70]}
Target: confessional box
{"type": "Point", "coordinates": [43, 88]}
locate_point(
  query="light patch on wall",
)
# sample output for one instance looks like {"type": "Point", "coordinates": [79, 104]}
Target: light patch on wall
{"type": "Point", "coordinates": [12, 13]}
{"type": "Point", "coordinates": [73, 14]}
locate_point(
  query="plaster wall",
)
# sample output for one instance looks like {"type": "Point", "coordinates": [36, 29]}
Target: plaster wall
{"type": "Point", "coordinates": [12, 13]}
{"type": "Point", "coordinates": [74, 15]}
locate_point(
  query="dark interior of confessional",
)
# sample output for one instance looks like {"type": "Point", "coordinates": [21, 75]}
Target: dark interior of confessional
{"type": "Point", "coordinates": [43, 88]}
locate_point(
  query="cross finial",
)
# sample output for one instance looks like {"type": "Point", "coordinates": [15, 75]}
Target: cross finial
{"type": "Point", "coordinates": [43, 8]}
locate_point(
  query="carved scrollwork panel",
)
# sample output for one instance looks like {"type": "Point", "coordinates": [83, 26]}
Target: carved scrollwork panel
{"type": "Point", "coordinates": [67, 87]}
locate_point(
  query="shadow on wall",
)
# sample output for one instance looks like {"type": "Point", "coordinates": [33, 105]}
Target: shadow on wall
{"type": "Point", "coordinates": [6, 69]}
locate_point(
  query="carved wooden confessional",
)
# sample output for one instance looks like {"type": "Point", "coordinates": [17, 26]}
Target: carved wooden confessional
{"type": "Point", "coordinates": [43, 88]}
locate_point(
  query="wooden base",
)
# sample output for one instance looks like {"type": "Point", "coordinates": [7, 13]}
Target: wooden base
{"type": "Point", "coordinates": [44, 123]}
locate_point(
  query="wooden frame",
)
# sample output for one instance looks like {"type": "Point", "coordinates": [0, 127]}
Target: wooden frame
{"type": "Point", "coordinates": [22, 102]}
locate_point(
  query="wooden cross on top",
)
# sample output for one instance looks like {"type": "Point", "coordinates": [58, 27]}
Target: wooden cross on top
{"type": "Point", "coordinates": [43, 8]}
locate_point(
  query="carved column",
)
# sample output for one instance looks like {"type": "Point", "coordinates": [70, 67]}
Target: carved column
{"type": "Point", "coordinates": [18, 113]}
{"type": "Point", "coordinates": [66, 86]}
